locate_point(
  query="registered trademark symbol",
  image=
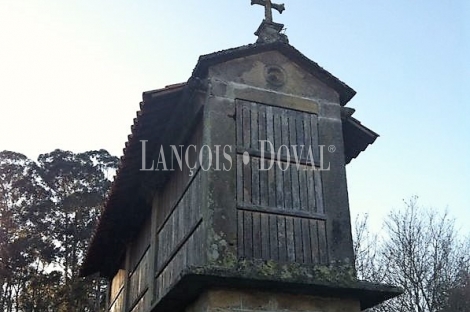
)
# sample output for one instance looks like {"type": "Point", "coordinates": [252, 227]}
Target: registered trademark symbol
{"type": "Point", "coordinates": [331, 148]}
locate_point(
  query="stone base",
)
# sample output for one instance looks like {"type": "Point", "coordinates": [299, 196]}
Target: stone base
{"type": "Point", "coordinates": [225, 300]}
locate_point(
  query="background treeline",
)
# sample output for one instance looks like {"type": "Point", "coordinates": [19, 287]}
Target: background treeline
{"type": "Point", "coordinates": [48, 211]}
{"type": "Point", "coordinates": [49, 208]}
{"type": "Point", "coordinates": [420, 250]}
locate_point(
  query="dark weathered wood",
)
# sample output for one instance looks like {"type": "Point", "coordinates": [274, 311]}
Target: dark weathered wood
{"type": "Point", "coordinates": [271, 185]}
{"type": "Point", "coordinates": [277, 130]}
{"type": "Point", "coordinates": [247, 190]}
{"type": "Point", "coordinates": [273, 237]}
{"type": "Point", "coordinates": [314, 241]}
{"type": "Point", "coordinates": [298, 240]}
{"type": "Point", "coordinates": [282, 240]}
{"type": "Point", "coordinates": [239, 119]}
{"type": "Point", "coordinates": [300, 131]}
{"type": "Point", "coordinates": [262, 127]}
{"type": "Point", "coordinates": [240, 179]}
{"type": "Point", "coordinates": [310, 190]}
{"type": "Point", "coordinates": [178, 248]}
{"type": "Point", "coordinates": [296, 188]}
{"type": "Point", "coordinates": [280, 212]}
{"type": "Point", "coordinates": [306, 246]}
{"type": "Point", "coordinates": [263, 184]}
{"type": "Point", "coordinates": [248, 234]}
{"type": "Point", "coordinates": [240, 234]}
{"type": "Point", "coordinates": [279, 187]}
{"type": "Point", "coordinates": [288, 203]}
{"type": "Point", "coordinates": [284, 133]}
{"type": "Point", "coordinates": [246, 124]}
{"type": "Point", "coordinates": [303, 190]}
{"type": "Point", "coordinates": [322, 243]}
{"type": "Point", "coordinates": [318, 192]}
{"type": "Point", "coordinates": [255, 176]}
{"type": "Point", "coordinates": [290, 239]}
{"type": "Point", "coordinates": [265, 243]}
{"type": "Point", "coordinates": [292, 133]}
{"type": "Point", "coordinates": [257, 244]}
{"type": "Point", "coordinates": [314, 132]}
{"type": "Point", "coordinates": [269, 128]}
{"type": "Point", "coordinates": [137, 281]}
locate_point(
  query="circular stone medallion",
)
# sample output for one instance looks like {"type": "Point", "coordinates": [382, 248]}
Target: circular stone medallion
{"type": "Point", "coordinates": [275, 75]}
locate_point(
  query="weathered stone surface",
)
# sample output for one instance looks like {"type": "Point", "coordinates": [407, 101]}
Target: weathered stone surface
{"type": "Point", "coordinates": [252, 71]}
{"type": "Point", "coordinates": [244, 301]}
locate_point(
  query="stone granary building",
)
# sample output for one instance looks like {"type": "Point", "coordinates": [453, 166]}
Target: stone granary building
{"type": "Point", "coordinates": [240, 223]}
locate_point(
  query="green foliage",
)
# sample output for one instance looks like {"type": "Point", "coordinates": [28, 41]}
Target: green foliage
{"type": "Point", "coordinates": [48, 210]}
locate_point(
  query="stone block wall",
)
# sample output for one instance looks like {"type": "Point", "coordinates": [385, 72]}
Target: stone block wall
{"type": "Point", "coordinates": [252, 301]}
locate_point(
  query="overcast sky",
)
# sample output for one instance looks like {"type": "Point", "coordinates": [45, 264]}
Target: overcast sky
{"type": "Point", "coordinates": [72, 74]}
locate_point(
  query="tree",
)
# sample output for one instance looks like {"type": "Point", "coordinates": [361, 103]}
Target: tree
{"type": "Point", "coordinates": [420, 251]}
{"type": "Point", "coordinates": [48, 210]}
{"type": "Point", "coordinates": [25, 237]}
{"type": "Point", "coordinates": [458, 299]}
{"type": "Point", "coordinates": [79, 184]}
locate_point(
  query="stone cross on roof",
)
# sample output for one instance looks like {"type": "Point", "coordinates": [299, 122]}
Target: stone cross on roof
{"type": "Point", "coordinates": [268, 6]}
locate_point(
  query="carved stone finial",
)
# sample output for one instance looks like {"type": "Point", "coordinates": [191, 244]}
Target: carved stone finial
{"type": "Point", "coordinates": [268, 6]}
{"type": "Point", "coordinates": [270, 31]}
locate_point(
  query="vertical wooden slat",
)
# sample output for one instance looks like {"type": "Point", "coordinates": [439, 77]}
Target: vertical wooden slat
{"type": "Point", "coordinates": [314, 134]}
{"type": "Point", "coordinates": [255, 175]}
{"type": "Point", "coordinates": [300, 130]}
{"type": "Point", "coordinates": [277, 130]}
{"type": "Point", "coordinates": [239, 125]}
{"type": "Point", "coordinates": [311, 190]}
{"type": "Point", "coordinates": [248, 234]}
{"type": "Point", "coordinates": [284, 133]}
{"type": "Point", "coordinates": [306, 246]}
{"type": "Point", "coordinates": [271, 176]}
{"type": "Point", "coordinates": [303, 188]}
{"type": "Point", "coordinates": [264, 184]}
{"type": "Point", "coordinates": [314, 241]}
{"type": "Point", "coordinates": [246, 126]}
{"type": "Point", "coordinates": [240, 234]}
{"type": "Point", "coordinates": [261, 123]}
{"type": "Point", "coordinates": [240, 178]}
{"type": "Point", "coordinates": [298, 240]}
{"type": "Point", "coordinates": [273, 237]}
{"type": "Point", "coordinates": [263, 175]}
{"type": "Point", "coordinates": [247, 183]}
{"type": "Point", "coordinates": [269, 128]}
{"type": "Point", "coordinates": [287, 181]}
{"type": "Point", "coordinates": [265, 243]}
{"type": "Point", "coordinates": [279, 187]}
{"type": "Point", "coordinates": [256, 235]}
{"type": "Point", "coordinates": [292, 133]}
{"type": "Point", "coordinates": [323, 252]}
{"type": "Point", "coordinates": [281, 227]}
{"type": "Point", "coordinates": [296, 188]}
{"type": "Point", "coordinates": [290, 239]}
{"type": "Point", "coordinates": [318, 192]}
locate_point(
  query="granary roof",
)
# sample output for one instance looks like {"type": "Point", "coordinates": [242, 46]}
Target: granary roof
{"type": "Point", "coordinates": [123, 213]}
{"type": "Point", "coordinates": [162, 114]}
